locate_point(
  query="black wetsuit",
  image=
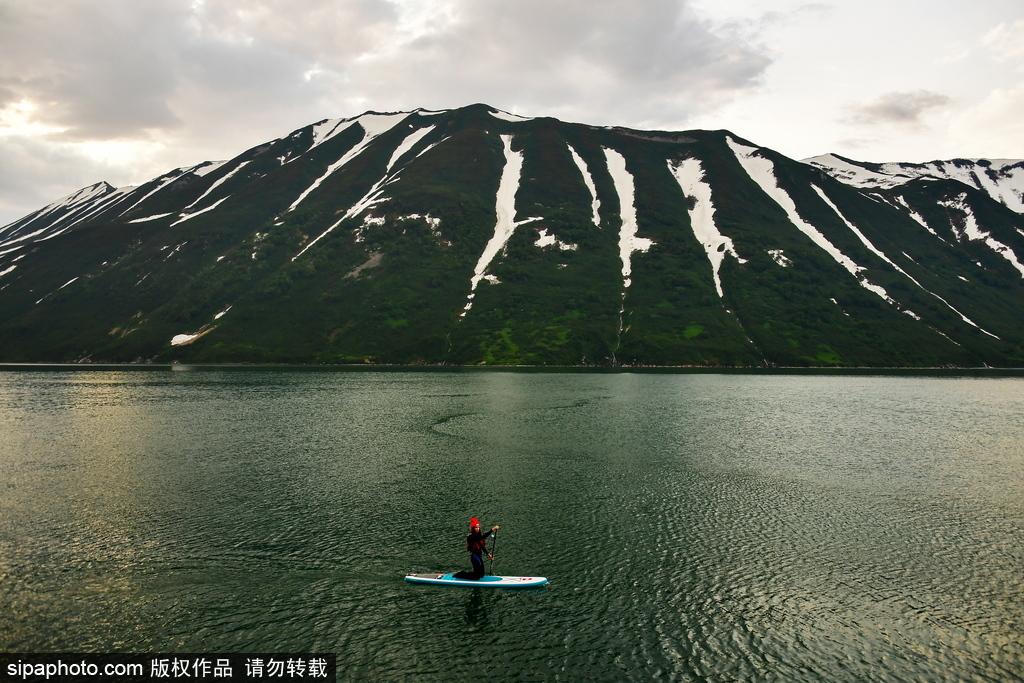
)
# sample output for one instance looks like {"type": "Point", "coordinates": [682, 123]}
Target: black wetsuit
{"type": "Point", "coordinates": [476, 544]}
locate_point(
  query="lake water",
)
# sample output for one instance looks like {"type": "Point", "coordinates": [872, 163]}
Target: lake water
{"type": "Point", "coordinates": [714, 527]}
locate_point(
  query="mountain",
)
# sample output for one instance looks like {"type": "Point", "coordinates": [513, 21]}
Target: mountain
{"type": "Point", "coordinates": [472, 235]}
{"type": "Point", "coordinates": [1001, 179]}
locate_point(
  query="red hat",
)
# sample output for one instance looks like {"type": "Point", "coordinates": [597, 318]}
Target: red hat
{"type": "Point", "coordinates": [473, 521]}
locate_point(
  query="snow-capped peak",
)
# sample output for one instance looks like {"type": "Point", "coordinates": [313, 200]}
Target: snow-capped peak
{"type": "Point", "coordinates": [1001, 179]}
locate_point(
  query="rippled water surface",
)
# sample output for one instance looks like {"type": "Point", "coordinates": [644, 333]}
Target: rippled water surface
{"type": "Point", "coordinates": [693, 526]}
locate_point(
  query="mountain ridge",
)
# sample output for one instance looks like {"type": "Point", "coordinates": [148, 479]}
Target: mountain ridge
{"type": "Point", "coordinates": [477, 236]}
{"type": "Point", "coordinates": [1001, 179]}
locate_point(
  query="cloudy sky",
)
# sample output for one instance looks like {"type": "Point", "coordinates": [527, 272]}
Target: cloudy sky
{"type": "Point", "coordinates": [123, 90]}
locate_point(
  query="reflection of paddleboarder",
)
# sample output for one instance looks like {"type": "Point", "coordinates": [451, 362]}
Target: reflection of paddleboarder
{"type": "Point", "coordinates": [476, 610]}
{"type": "Point", "coordinates": [476, 544]}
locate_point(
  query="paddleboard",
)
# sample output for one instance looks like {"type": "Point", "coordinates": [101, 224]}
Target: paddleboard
{"type": "Point", "coordinates": [485, 582]}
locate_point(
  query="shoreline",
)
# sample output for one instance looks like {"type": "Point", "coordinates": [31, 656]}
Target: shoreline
{"type": "Point", "coordinates": [555, 369]}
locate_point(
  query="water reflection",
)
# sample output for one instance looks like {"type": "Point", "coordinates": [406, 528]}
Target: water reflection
{"type": "Point", "coordinates": [709, 526]}
{"type": "Point", "coordinates": [476, 607]}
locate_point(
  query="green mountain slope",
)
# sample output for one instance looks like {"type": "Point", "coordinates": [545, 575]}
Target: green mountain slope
{"type": "Point", "coordinates": [472, 236]}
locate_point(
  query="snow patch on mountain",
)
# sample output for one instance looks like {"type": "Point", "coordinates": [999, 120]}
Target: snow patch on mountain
{"type": "Point", "coordinates": [372, 196]}
{"type": "Point", "coordinates": [78, 197]}
{"type": "Point", "coordinates": [206, 168]}
{"type": "Point", "coordinates": [190, 216]}
{"type": "Point", "coordinates": [1001, 179]}
{"type": "Point", "coordinates": [972, 231]}
{"type": "Point", "coordinates": [505, 210]}
{"type": "Point", "coordinates": [690, 175]}
{"type": "Point", "coordinates": [10, 226]}
{"type": "Point", "coordinates": [877, 252]}
{"type": "Point", "coordinates": [856, 231]}
{"type": "Point", "coordinates": [762, 171]}
{"type": "Point", "coordinates": [168, 179]}
{"type": "Point", "coordinates": [408, 143]}
{"type": "Point", "coordinates": [433, 222]}
{"type": "Point", "coordinates": [325, 130]}
{"type": "Point", "coordinates": [588, 180]}
{"type": "Point", "coordinates": [368, 221]}
{"type": "Point", "coordinates": [917, 217]}
{"type": "Point", "coordinates": [780, 257]}
{"type": "Point", "coordinates": [85, 194]}
{"type": "Point", "coordinates": [77, 204]}
{"type": "Point", "coordinates": [505, 116]}
{"type": "Point", "coordinates": [76, 201]}
{"type": "Point", "coordinates": [23, 238]}
{"type": "Point", "coordinates": [107, 201]}
{"type": "Point", "coordinates": [431, 146]}
{"type": "Point", "coordinates": [546, 239]}
{"type": "Point", "coordinates": [177, 248]}
{"type": "Point", "coordinates": [373, 125]}
{"type": "Point", "coordinates": [220, 181]}
{"type": "Point", "coordinates": [853, 173]}
{"type": "Point", "coordinates": [62, 217]}
{"type": "Point", "coordinates": [154, 217]}
{"type": "Point", "coordinates": [186, 339]}
{"type": "Point", "coordinates": [887, 201]}
{"type": "Point", "coordinates": [832, 299]}
{"type": "Point", "coordinates": [629, 242]}
{"type": "Point", "coordinates": [39, 301]}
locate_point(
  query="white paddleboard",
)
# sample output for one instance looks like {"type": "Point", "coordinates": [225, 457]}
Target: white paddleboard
{"type": "Point", "coordinates": [449, 579]}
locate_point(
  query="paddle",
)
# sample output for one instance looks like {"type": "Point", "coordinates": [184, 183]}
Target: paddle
{"type": "Point", "coordinates": [494, 544]}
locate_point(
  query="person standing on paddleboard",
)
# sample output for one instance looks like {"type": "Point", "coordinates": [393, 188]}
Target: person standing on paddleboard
{"type": "Point", "coordinates": [476, 544]}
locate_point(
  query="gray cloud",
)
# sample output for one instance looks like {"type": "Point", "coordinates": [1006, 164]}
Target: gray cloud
{"type": "Point", "coordinates": [576, 59]}
{"type": "Point", "coordinates": [856, 143]}
{"type": "Point", "coordinates": [98, 71]}
{"type": "Point", "coordinates": [754, 26]}
{"type": "Point", "coordinates": [209, 78]}
{"type": "Point", "coordinates": [903, 108]}
{"type": "Point", "coordinates": [124, 69]}
{"type": "Point", "coordinates": [1006, 40]}
{"type": "Point", "coordinates": [34, 173]}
